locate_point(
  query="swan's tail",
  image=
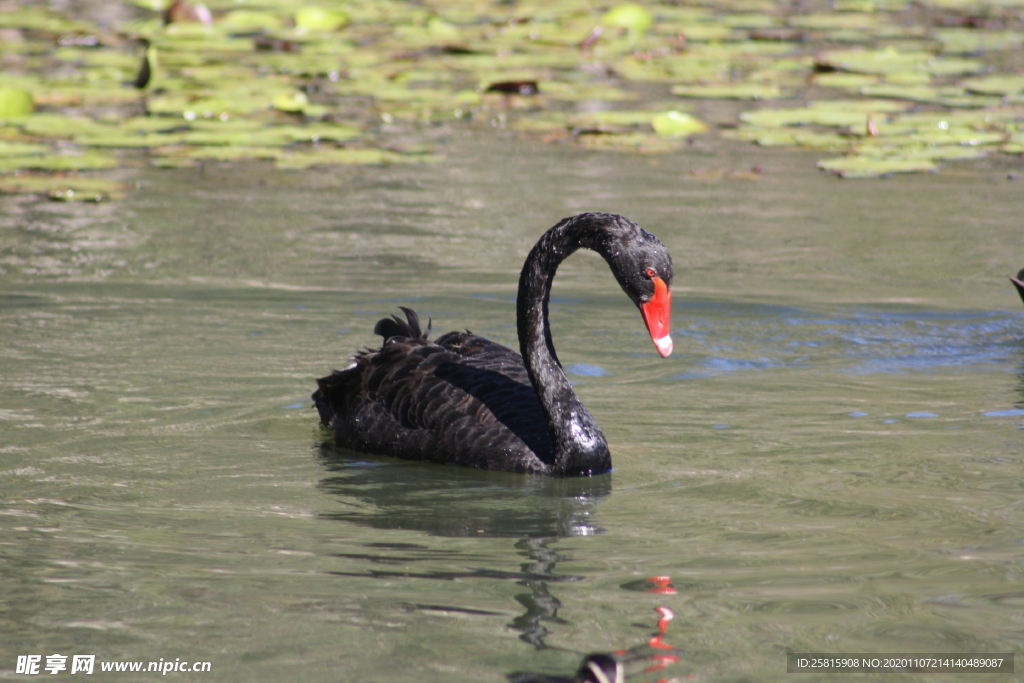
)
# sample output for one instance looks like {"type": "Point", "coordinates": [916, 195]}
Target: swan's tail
{"type": "Point", "coordinates": [396, 327]}
{"type": "Point", "coordinates": [329, 398]}
{"type": "Point", "coordinates": [338, 390]}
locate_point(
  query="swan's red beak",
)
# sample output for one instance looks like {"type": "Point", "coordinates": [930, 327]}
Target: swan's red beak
{"type": "Point", "coordinates": [657, 313]}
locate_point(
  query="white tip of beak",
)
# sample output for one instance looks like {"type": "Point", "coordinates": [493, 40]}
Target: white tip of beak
{"type": "Point", "coordinates": [664, 345]}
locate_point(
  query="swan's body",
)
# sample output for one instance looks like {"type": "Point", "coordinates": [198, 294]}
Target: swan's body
{"type": "Point", "coordinates": [464, 400]}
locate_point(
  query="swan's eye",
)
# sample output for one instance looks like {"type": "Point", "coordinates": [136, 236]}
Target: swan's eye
{"type": "Point", "coordinates": [651, 272]}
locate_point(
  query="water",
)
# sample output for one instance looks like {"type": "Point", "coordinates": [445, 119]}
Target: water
{"type": "Point", "coordinates": [831, 461]}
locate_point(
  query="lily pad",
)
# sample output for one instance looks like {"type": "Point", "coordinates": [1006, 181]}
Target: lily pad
{"type": "Point", "coordinates": [230, 153]}
{"type": "Point", "coordinates": [890, 60]}
{"type": "Point", "coordinates": [789, 137]}
{"type": "Point", "coordinates": [917, 151]}
{"type": "Point", "coordinates": [126, 139]}
{"type": "Point", "coordinates": [15, 102]}
{"type": "Point", "coordinates": [548, 122]}
{"type": "Point", "coordinates": [58, 126]}
{"type": "Point", "coordinates": [173, 162]}
{"type": "Point", "coordinates": [226, 105]}
{"type": "Point", "coordinates": [38, 19]}
{"type": "Point", "coordinates": [673, 124]}
{"type": "Point", "coordinates": [320, 19]}
{"type": "Point", "coordinates": [729, 91]}
{"type": "Point", "coordinates": [348, 157]}
{"type": "Point", "coordinates": [639, 143]}
{"type": "Point", "coordinates": [845, 81]}
{"type": "Point", "coordinates": [834, 20]}
{"type": "Point", "coordinates": [248, 20]}
{"type": "Point", "coordinates": [636, 18]}
{"type": "Point", "coordinates": [970, 41]}
{"type": "Point", "coordinates": [707, 32]}
{"type": "Point", "coordinates": [54, 162]}
{"type": "Point", "coordinates": [439, 29]}
{"type": "Point", "coordinates": [871, 167]}
{"type": "Point", "coordinates": [610, 120]}
{"type": "Point", "coordinates": [65, 187]}
{"type": "Point", "coordinates": [21, 149]}
{"type": "Point", "coordinates": [996, 84]}
{"type": "Point", "coordinates": [956, 136]}
{"type": "Point", "coordinates": [950, 95]}
{"type": "Point", "coordinates": [775, 118]}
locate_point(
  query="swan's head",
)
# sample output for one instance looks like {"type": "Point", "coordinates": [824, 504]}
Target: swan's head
{"type": "Point", "coordinates": [643, 267]}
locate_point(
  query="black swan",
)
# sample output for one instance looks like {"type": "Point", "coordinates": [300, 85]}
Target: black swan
{"type": "Point", "coordinates": [1018, 282]}
{"type": "Point", "coordinates": [464, 400]}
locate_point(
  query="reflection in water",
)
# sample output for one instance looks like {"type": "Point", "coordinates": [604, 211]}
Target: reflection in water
{"type": "Point", "coordinates": [614, 667]}
{"type": "Point", "coordinates": [386, 493]}
{"type": "Point", "coordinates": [541, 606]}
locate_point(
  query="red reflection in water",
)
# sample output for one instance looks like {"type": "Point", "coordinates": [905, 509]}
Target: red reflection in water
{"type": "Point", "coordinates": [662, 585]}
{"type": "Point", "coordinates": [666, 616]}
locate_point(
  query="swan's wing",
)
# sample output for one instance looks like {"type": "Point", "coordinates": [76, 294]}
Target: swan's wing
{"type": "Point", "coordinates": [462, 400]}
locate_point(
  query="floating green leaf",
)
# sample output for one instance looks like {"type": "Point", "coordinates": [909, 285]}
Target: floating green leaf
{"type": "Point", "coordinates": [790, 137]}
{"type": "Point", "coordinates": [58, 126]}
{"type": "Point", "coordinates": [996, 84]}
{"type": "Point", "coordinates": [845, 81]}
{"type": "Point", "coordinates": [54, 162]}
{"type": "Point", "coordinates": [950, 96]}
{"type": "Point", "coordinates": [872, 167]}
{"type": "Point", "coordinates": [771, 118]}
{"type": "Point", "coordinates": [674, 124]}
{"type": "Point", "coordinates": [230, 153]}
{"type": "Point", "coordinates": [729, 91]}
{"type": "Point", "coordinates": [915, 150]}
{"type": "Point", "coordinates": [173, 162]}
{"type": "Point", "coordinates": [891, 60]}
{"type": "Point", "coordinates": [21, 149]}
{"type": "Point", "coordinates": [636, 18]}
{"type": "Point", "coordinates": [248, 20]}
{"type": "Point", "coordinates": [348, 157]}
{"type": "Point", "coordinates": [610, 120]}
{"type": "Point", "coordinates": [118, 138]}
{"type": "Point", "coordinates": [440, 29]}
{"type": "Point", "coordinates": [320, 19]}
{"type": "Point", "coordinates": [291, 102]}
{"type": "Point", "coordinates": [834, 20]}
{"type": "Point", "coordinates": [970, 40]}
{"type": "Point", "coordinates": [15, 102]}
{"type": "Point", "coordinates": [38, 19]}
{"type": "Point", "coordinates": [64, 188]}
{"type": "Point", "coordinates": [641, 143]}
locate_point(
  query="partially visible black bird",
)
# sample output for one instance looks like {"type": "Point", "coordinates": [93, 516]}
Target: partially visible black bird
{"type": "Point", "coordinates": [596, 668]}
{"type": "Point", "coordinates": [1018, 282]}
{"type": "Point", "coordinates": [464, 400]}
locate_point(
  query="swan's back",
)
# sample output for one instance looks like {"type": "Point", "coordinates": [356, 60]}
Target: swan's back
{"type": "Point", "coordinates": [461, 400]}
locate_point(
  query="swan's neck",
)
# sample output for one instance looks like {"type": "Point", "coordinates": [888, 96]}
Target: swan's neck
{"type": "Point", "coordinates": [580, 447]}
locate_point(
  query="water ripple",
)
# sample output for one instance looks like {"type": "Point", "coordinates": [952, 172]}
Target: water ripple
{"type": "Point", "coordinates": [729, 338]}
